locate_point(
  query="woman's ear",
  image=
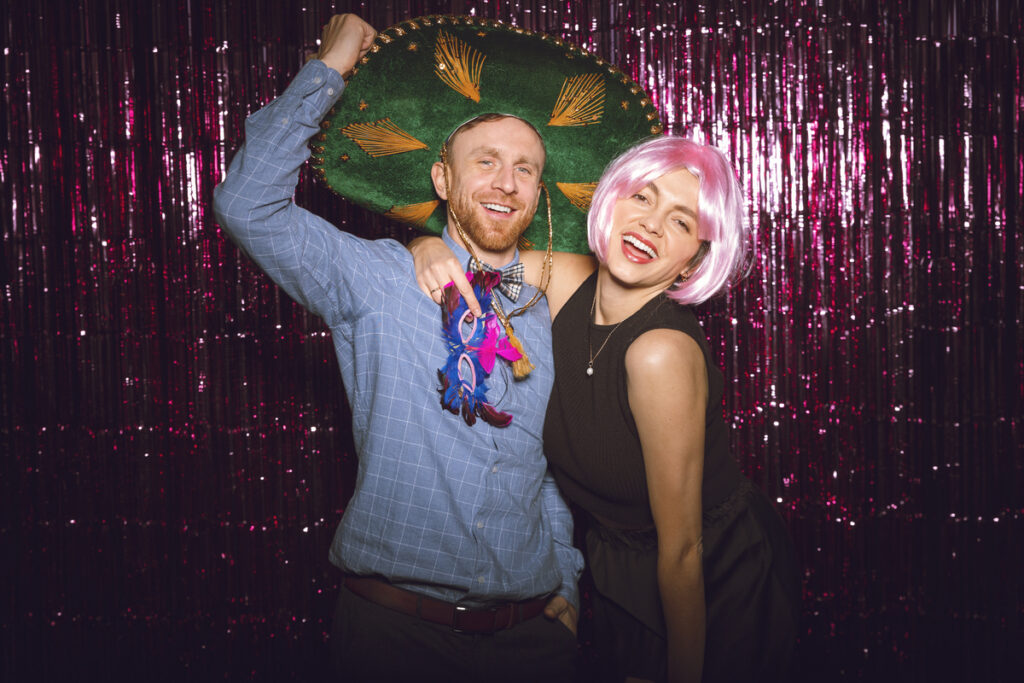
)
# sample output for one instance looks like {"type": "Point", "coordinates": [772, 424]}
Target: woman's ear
{"type": "Point", "coordinates": [698, 258]}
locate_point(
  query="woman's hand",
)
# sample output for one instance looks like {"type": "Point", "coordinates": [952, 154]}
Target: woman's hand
{"type": "Point", "coordinates": [437, 268]}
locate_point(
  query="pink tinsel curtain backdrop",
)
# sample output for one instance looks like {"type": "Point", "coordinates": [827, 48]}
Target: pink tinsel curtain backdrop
{"type": "Point", "coordinates": [174, 437]}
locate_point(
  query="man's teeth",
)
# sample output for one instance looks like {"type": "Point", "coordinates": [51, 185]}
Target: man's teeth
{"type": "Point", "coordinates": [640, 245]}
{"type": "Point", "coordinates": [498, 207]}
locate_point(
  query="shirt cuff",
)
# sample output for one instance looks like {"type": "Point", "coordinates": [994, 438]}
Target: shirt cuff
{"type": "Point", "coordinates": [319, 83]}
{"type": "Point", "coordinates": [572, 594]}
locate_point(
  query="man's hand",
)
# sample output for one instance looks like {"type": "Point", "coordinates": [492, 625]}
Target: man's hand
{"type": "Point", "coordinates": [559, 608]}
{"type": "Point", "coordinates": [345, 39]}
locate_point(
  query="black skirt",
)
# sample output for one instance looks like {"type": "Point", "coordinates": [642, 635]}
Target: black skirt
{"type": "Point", "coordinates": [751, 588]}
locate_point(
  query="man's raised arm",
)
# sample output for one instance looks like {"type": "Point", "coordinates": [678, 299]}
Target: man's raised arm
{"type": "Point", "coordinates": [253, 203]}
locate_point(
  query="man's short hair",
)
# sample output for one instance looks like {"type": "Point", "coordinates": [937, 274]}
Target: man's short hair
{"type": "Point", "coordinates": [495, 116]}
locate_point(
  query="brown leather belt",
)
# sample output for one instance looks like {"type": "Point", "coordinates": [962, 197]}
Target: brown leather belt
{"type": "Point", "coordinates": [457, 617]}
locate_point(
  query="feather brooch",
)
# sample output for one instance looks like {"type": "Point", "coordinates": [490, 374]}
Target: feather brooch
{"type": "Point", "coordinates": [473, 346]}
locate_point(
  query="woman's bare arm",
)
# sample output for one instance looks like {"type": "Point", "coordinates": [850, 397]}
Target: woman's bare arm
{"type": "Point", "coordinates": [668, 388]}
{"type": "Point", "coordinates": [437, 268]}
{"type": "Point", "coordinates": [568, 271]}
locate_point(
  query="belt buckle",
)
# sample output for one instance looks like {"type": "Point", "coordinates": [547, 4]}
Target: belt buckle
{"type": "Point", "coordinates": [463, 610]}
{"type": "Point", "coordinates": [456, 625]}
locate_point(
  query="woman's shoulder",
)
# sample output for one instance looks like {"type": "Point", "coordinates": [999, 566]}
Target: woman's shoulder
{"type": "Point", "coordinates": [669, 334]}
{"type": "Point", "coordinates": [662, 346]}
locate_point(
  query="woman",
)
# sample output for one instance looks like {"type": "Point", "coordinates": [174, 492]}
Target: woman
{"type": "Point", "coordinates": [693, 569]}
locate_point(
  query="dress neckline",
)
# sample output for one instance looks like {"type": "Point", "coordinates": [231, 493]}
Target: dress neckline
{"type": "Point", "coordinates": [655, 302]}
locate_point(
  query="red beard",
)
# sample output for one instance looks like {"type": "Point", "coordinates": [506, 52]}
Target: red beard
{"type": "Point", "coordinates": [490, 235]}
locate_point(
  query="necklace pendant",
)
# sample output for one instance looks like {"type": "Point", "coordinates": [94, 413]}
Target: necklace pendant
{"type": "Point", "coordinates": [590, 370]}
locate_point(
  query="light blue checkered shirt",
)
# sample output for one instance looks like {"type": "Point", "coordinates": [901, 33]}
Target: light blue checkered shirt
{"type": "Point", "coordinates": [453, 511]}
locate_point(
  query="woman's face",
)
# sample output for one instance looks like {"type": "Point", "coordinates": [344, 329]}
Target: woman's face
{"type": "Point", "coordinates": [655, 232]}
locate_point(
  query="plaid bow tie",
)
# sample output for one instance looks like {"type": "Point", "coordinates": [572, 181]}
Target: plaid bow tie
{"type": "Point", "coordinates": [511, 279]}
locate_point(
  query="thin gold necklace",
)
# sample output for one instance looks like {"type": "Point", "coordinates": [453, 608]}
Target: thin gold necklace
{"type": "Point", "coordinates": [590, 346]}
{"type": "Point", "coordinates": [593, 322]}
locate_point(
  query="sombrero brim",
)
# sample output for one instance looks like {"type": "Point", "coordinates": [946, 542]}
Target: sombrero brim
{"type": "Point", "coordinates": [424, 77]}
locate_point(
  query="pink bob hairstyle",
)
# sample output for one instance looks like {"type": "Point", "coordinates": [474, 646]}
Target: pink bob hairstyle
{"type": "Point", "coordinates": [721, 223]}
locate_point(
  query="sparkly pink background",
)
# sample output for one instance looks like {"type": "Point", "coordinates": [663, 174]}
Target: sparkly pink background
{"type": "Point", "coordinates": [175, 441]}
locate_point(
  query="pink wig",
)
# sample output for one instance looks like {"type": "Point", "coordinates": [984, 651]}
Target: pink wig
{"type": "Point", "coordinates": [721, 210]}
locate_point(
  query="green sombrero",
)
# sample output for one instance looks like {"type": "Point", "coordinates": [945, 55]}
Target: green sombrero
{"type": "Point", "coordinates": [424, 77]}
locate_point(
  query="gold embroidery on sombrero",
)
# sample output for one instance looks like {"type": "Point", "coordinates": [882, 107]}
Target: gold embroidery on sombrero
{"type": "Point", "coordinates": [414, 214]}
{"type": "Point", "coordinates": [581, 101]}
{"type": "Point", "coordinates": [415, 50]}
{"type": "Point", "coordinates": [578, 194]}
{"type": "Point", "coordinates": [458, 65]}
{"type": "Point", "coordinates": [381, 138]}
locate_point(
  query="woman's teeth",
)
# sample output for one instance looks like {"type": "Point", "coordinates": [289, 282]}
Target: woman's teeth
{"type": "Point", "coordinates": [636, 243]}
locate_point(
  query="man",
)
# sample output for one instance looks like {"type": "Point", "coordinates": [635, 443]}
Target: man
{"type": "Point", "coordinates": [455, 541]}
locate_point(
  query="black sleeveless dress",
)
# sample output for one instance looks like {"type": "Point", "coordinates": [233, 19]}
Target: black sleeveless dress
{"type": "Point", "coordinates": [751, 582]}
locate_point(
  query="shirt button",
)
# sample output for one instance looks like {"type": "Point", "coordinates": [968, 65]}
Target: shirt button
{"type": "Point", "coordinates": [494, 470]}
{"type": "Point", "coordinates": [317, 79]}
{"type": "Point", "coordinates": [479, 525]}
{"type": "Point", "coordinates": [480, 579]}
{"type": "Point", "coordinates": [330, 91]}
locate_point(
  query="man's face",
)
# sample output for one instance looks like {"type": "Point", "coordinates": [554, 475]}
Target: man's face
{"type": "Point", "coordinates": [495, 170]}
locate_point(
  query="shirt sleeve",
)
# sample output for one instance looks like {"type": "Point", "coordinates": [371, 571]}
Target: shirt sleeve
{"type": "Point", "coordinates": [325, 270]}
{"type": "Point", "coordinates": [570, 559]}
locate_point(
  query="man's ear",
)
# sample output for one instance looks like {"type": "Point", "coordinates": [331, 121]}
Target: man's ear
{"type": "Point", "coordinates": [542, 190]}
{"type": "Point", "coordinates": [437, 175]}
